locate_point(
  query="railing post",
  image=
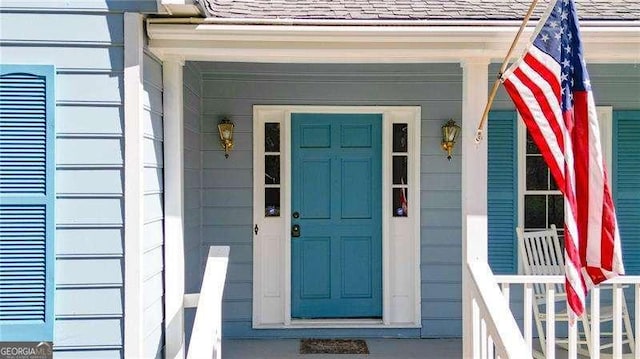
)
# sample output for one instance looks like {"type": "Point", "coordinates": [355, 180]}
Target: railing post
{"type": "Point", "coordinates": [475, 322]}
{"type": "Point", "coordinates": [636, 300]}
{"type": "Point", "coordinates": [550, 350]}
{"type": "Point", "coordinates": [528, 313]}
{"type": "Point", "coordinates": [484, 338]}
{"type": "Point", "coordinates": [495, 331]}
{"type": "Point", "coordinates": [617, 321]}
{"type": "Point", "coordinates": [206, 337]}
{"type": "Point", "coordinates": [594, 321]}
{"type": "Point", "coordinates": [573, 339]}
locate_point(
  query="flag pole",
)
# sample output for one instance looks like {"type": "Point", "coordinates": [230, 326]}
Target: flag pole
{"type": "Point", "coordinates": [494, 89]}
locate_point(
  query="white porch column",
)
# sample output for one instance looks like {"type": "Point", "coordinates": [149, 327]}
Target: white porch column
{"type": "Point", "coordinates": [173, 207]}
{"type": "Point", "coordinates": [474, 183]}
{"type": "Point", "coordinates": [133, 185]}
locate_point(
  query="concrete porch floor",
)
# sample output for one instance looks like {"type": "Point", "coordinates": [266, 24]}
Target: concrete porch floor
{"type": "Point", "coordinates": [378, 349]}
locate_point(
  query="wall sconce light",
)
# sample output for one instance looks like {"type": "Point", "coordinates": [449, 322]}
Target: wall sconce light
{"type": "Point", "coordinates": [450, 132]}
{"type": "Point", "coordinates": [225, 128]}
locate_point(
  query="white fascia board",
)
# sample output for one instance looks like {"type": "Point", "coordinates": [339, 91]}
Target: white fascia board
{"type": "Point", "coordinates": [344, 44]}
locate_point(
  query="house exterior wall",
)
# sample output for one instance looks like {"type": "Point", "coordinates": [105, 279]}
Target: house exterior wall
{"type": "Point", "coordinates": [89, 159]}
{"type": "Point", "coordinates": [193, 186]}
{"type": "Point", "coordinates": [227, 184]}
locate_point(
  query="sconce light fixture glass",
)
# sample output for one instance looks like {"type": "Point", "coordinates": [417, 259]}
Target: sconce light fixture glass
{"type": "Point", "coordinates": [225, 128]}
{"type": "Point", "coordinates": [450, 132]}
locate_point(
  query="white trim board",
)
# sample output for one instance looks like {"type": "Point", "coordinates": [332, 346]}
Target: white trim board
{"type": "Point", "coordinates": [357, 44]}
{"type": "Point", "coordinates": [133, 186]}
{"type": "Point", "coordinates": [400, 235]}
{"type": "Point", "coordinates": [173, 110]}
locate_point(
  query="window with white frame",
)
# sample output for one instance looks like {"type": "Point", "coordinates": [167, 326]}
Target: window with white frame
{"type": "Point", "coordinates": [540, 201]}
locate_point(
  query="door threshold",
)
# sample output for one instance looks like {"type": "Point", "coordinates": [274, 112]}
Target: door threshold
{"type": "Point", "coordinates": [336, 323]}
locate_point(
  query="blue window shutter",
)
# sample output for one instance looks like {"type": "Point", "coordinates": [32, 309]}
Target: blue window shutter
{"type": "Point", "coordinates": [626, 185]}
{"type": "Point", "coordinates": [27, 194]}
{"type": "Point", "coordinates": [502, 188]}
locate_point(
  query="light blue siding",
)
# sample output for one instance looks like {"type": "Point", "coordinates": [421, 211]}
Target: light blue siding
{"type": "Point", "coordinates": [96, 181]}
{"type": "Point", "coordinates": [153, 262]}
{"type": "Point", "coordinates": [96, 88]}
{"type": "Point", "coordinates": [95, 354]}
{"type": "Point", "coordinates": [82, 5]}
{"type": "Point", "coordinates": [74, 211]}
{"type": "Point", "coordinates": [153, 284]}
{"type": "Point", "coordinates": [104, 28]}
{"type": "Point", "coordinates": [153, 155]}
{"type": "Point", "coordinates": [153, 204]}
{"type": "Point", "coordinates": [88, 302]}
{"type": "Point", "coordinates": [152, 326]}
{"type": "Point", "coordinates": [104, 120]}
{"type": "Point", "coordinates": [95, 152]}
{"type": "Point", "coordinates": [227, 184]}
{"type": "Point", "coordinates": [78, 242]}
{"type": "Point", "coordinates": [81, 334]}
{"type": "Point", "coordinates": [193, 186]}
{"type": "Point", "coordinates": [153, 234]}
{"type": "Point", "coordinates": [88, 272]}
{"type": "Point", "coordinates": [103, 58]}
{"type": "Point", "coordinates": [84, 41]}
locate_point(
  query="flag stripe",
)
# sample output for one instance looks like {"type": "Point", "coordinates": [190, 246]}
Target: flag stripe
{"type": "Point", "coordinates": [550, 87]}
{"type": "Point", "coordinates": [550, 151]}
{"type": "Point", "coordinates": [580, 138]}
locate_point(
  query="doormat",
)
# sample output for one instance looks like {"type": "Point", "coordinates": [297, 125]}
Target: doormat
{"type": "Point", "coordinates": [333, 346]}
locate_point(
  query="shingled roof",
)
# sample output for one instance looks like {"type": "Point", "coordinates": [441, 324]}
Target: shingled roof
{"type": "Point", "coordinates": [408, 9]}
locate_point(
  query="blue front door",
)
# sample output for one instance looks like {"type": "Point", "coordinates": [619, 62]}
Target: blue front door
{"type": "Point", "coordinates": [336, 267]}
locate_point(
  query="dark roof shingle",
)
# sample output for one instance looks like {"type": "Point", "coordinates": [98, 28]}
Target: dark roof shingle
{"type": "Point", "coordinates": [409, 9]}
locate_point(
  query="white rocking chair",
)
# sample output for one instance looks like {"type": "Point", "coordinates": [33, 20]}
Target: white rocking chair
{"type": "Point", "coordinates": [542, 254]}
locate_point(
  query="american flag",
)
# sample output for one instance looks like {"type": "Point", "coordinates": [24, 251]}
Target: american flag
{"type": "Point", "coordinates": [551, 89]}
{"type": "Point", "coordinates": [403, 200]}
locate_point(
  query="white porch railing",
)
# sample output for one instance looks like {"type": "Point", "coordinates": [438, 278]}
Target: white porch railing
{"type": "Point", "coordinates": [206, 336]}
{"type": "Point", "coordinates": [527, 301]}
{"type": "Point", "coordinates": [495, 331]}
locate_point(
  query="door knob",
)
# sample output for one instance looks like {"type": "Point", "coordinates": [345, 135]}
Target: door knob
{"type": "Point", "coordinates": [295, 230]}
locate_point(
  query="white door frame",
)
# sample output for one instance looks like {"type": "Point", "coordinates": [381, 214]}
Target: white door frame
{"type": "Point", "coordinates": [401, 301]}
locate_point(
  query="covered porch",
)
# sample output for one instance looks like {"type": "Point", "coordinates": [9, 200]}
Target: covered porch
{"type": "Point", "coordinates": [213, 70]}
